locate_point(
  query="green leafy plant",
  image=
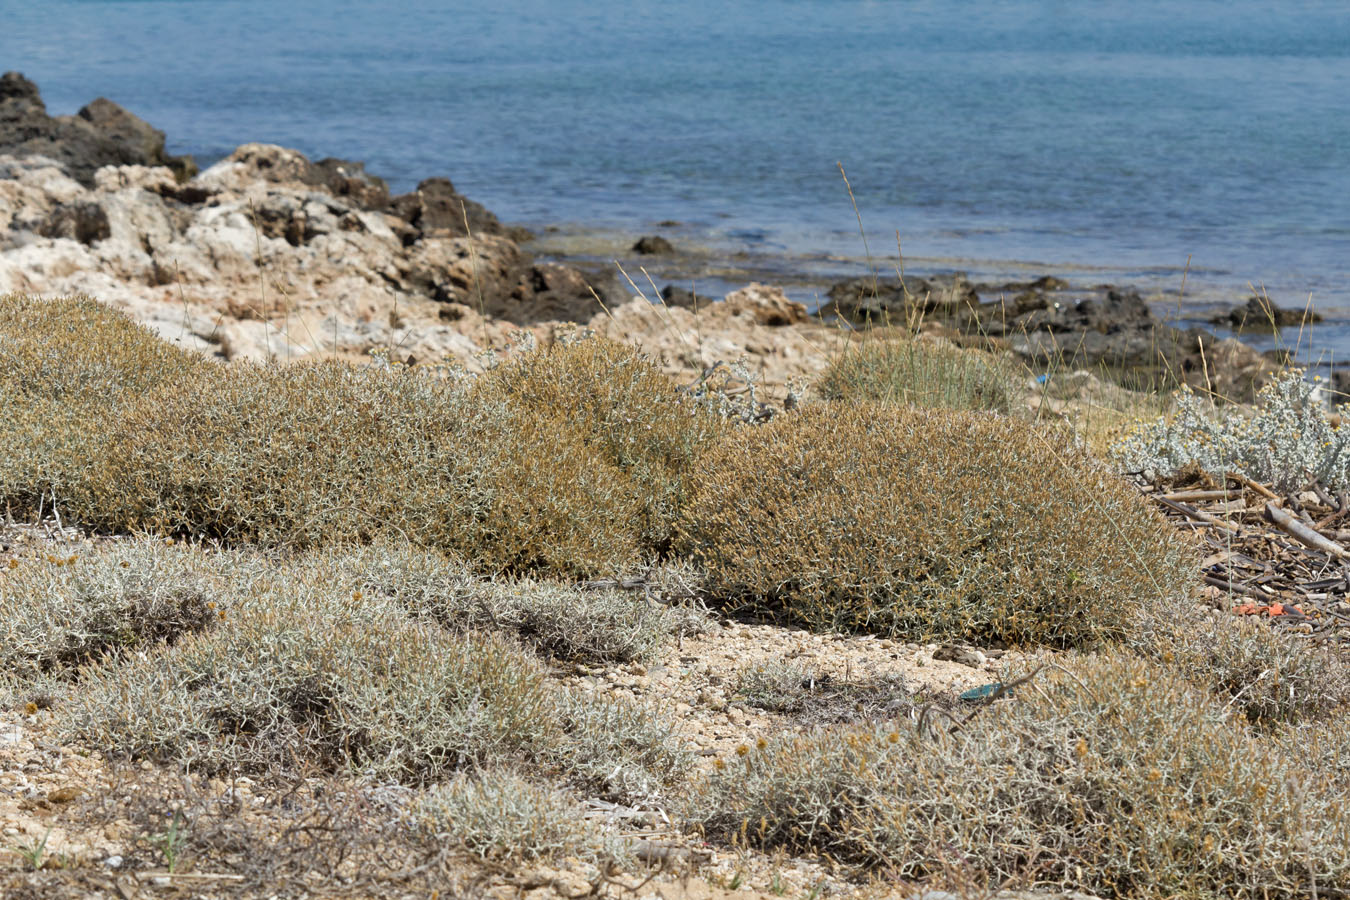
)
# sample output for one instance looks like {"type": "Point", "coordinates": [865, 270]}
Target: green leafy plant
{"type": "Point", "coordinates": [171, 841]}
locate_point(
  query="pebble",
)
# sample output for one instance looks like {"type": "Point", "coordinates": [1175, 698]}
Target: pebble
{"type": "Point", "coordinates": [113, 862]}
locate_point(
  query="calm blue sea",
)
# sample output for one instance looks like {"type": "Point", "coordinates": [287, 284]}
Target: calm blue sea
{"type": "Point", "coordinates": [1114, 140]}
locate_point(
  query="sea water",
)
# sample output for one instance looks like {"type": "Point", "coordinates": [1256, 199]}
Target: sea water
{"type": "Point", "coordinates": [1141, 141]}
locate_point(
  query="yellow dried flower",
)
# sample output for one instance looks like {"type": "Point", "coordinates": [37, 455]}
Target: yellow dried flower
{"type": "Point", "coordinates": [13, 563]}
{"type": "Point", "coordinates": [30, 708]}
{"type": "Point", "coordinates": [761, 743]}
{"type": "Point", "coordinates": [719, 764]}
{"type": "Point", "coordinates": [742, 750]}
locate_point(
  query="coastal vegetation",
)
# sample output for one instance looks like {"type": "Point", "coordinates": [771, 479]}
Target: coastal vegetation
{"type": "Point", "coordinates": [406, 580]}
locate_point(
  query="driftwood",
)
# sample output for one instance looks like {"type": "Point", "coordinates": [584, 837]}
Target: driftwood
{"type": "Point", "coordinates": [1304, 534]}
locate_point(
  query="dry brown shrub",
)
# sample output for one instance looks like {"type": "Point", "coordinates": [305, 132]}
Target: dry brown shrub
{"type": "Point", "coordinates": [626, 410]}
{"type": "Point", "coordinates": [325, 453]}
{"type": "Point", "coordinates": [68, 367]}
{"type": "Point", "coordinates": [1117, 777]}
{"type": "Point", "coordinates": [928, 523]}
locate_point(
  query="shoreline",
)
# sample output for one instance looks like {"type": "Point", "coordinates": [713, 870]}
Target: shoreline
{"type": "Point", "coordinates": [1177, 296]}
{"type": "Point", "coordinates": [269, 254]}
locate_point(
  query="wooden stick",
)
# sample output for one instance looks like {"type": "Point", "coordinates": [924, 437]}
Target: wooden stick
{"type": "Point", "coordinates": [1254, 485]}
{"type": "Point", "coordinates": [1233, 587]}
{"type": "Point", "coordinates": [1193, 513]}
{"type": "Point", "coordinates": [1302, 533]}
{"type": "Point", "coordinates": [1203, 495]}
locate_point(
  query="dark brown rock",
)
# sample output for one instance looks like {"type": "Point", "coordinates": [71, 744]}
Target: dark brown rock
{"type": "Point", "coordinates": [83, 222]}
{"type": "Point", "coordinates": [674, 295]}
{"type": "Point", "coordinates": [653, 245]}
{"type": "Point", "coordinates": [437, 209]}
{"type": "Point", "coordinates": [101, 134]}
{"type": "Point", "coordinates": [889, 302]}
{"type": "Point", "coordinates": [350, 181]}
{"type": "Point", "coordinates": [1259, 314]}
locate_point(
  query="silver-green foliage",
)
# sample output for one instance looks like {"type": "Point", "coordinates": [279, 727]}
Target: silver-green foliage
{"type": "Point", "coordinates": [1271, 676]}
{"type": "Point", "coordinates": [302, 668]}
{"type": "Point", "coordinates": [74, 604]}
{"type": "Point", "coordinates": [497, 814]}
{"type": "Point", "coordinates": [1287, 441]}
{"type": "Point", "coordinates": [564, 621]}
{"type": "Point", "coordinates": [1111, 775]}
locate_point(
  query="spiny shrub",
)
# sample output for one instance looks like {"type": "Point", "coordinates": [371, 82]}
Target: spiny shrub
{"type": "Point", "coordinates": [69, 366]}
{"type": "Point", "coordinates": [316, 454]}
{"type": "Point", "coordinates": [1115, 777]}
{"type": "Point", "coordinates": [343, 684]}
{"type": "Point", "coordinates": [497, 814]}
{"type": "Point", "coordinates": [564, 621]}
{"type": "Point", "coordinates": [303, 671]}
{"type": "Point", "coordinates": [920, 373]}
{"type": "Point", "coordinates": [933, 524]}
{"type": "Point", "coordinates": [1272, 677]}
{"type": "Point", "coordinates": [623, 751]}
{"type": "Point", "coordinates": [59, 612]}
{"type": "Point", "coordinates": [1287, 441]}
{"type": "Point", "coordinates": [625, 409]}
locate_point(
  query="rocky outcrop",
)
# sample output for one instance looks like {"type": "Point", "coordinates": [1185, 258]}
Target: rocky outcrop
{"type": "Point", "coordinates": [266, 253]}
{"type": "Point", "coordinates": [270, 254]}
{"type": "Point", "coordinates": [778, 342]}
{"type": "Point", "coordinates": [1053, 326]}
{"type": "Point", "coordinates": [101, 134]}
{"type": "Point", "coordinates": [878, 301]}
{"type": "Point", "coordinates": [1260, 315]}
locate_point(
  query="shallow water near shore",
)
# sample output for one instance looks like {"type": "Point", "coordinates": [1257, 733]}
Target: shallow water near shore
{"type": "Point", "coordinates": [999, 138]}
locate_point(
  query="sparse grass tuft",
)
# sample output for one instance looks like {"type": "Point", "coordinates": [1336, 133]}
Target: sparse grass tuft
{"type": "Point", "coordinates": [1116, 777]}
{"type": "Point", "coordinates": [812, 697]}
{"type": "Point", "coordinates": [931, 524]}
{"type": "Point", "coordinates": [921, 373]}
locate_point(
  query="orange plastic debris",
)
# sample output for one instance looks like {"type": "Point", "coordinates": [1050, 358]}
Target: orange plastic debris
{"type": "Point", "coordinates": [1274, 609]}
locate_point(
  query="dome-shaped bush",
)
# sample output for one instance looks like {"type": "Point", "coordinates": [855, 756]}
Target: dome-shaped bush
{"type": "Point", "coordinates": [930, 524]}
